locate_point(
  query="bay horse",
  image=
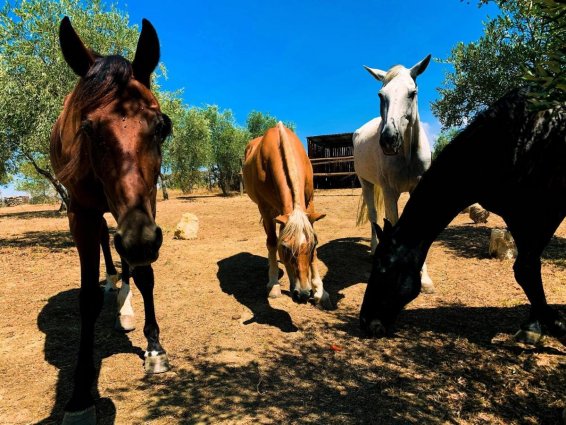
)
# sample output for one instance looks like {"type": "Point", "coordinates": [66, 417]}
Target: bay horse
{"type": "Point", "coordinates": [391, 152]}
{"type": "Point", "coordinates": [106, 150]}
{"type": "Point", "coordinates": [509, 159]}
{"type": "Point", "coordinates": [278, 178]}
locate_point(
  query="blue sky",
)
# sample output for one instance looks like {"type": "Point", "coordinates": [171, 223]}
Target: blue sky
{"type": "Point", "coordinates": [302, 60]}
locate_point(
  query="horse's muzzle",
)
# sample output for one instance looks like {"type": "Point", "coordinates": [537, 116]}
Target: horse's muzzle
{"type": "Point", "coordinates": [138, 239]}
{"type": "Point", "coordinates": [373, 328]}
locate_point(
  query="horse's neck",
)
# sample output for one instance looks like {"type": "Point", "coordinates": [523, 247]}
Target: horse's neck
{"type": "Point", "coordinates": [412, 137]}
{"type": "Point", "coordinates": [436, 200]}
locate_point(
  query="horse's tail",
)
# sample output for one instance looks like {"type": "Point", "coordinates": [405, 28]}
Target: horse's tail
{"type": "Point", "coordinates": [363, 217]}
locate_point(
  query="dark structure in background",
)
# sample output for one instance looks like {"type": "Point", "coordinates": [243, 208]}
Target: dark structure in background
{"type": "Point", "coordinates": [332, 160]}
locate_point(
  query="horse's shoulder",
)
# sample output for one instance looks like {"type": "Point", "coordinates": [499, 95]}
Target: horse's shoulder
{"type": "Point", "coordinates": [368, 131]}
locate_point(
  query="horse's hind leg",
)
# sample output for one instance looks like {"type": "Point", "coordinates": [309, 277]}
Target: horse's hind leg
{"type": "Point", "coordinates": [527, 273]}
{"type": "Point", "coordinates": [111, 272]}
{"type": "Point", "coordinates": [125, 319]}
{"type": "Point", "coordinates": [156, 360]}
{"type": "Point", "coordinates": [369, 199]}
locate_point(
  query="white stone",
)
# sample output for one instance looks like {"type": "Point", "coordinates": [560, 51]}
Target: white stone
{"type": "Point", "coordinates": [187, 227]}
{"type": "Point", "coordinates": [478, 214]}
{"type": "Point", "coordinates": [502, 244]}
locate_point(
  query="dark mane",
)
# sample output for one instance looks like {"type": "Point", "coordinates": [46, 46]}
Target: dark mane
{"type": "Point", "coordinates": [105, 79]}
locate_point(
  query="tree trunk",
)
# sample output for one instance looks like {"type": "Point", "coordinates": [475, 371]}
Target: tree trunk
{"type": "Point", "coordinates": [58, 186]}
{"type": "Point", "coordinates": [164, 188]}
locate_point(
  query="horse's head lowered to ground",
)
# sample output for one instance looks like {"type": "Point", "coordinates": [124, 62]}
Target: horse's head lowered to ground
{"type": "Point", "coordinates": [110, 132]}
{"type": "Point", "coordinates": [398, 104]}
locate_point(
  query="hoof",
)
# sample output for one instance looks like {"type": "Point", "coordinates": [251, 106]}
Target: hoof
{"type": "Point", "coordinates": [158, 363]}
{"type": "Point", "coordinates": [275, 291]}
{"type": "Point", "coordinates": [83, 417]}
{"type": "Point", "coordinates": [324, 302]}
{"type": "Point", "coordinates": [528, 337]}
{"type": "Point", "coordinates": [427, 288]}
{"type": "Point", "coordinates": [125, 323]}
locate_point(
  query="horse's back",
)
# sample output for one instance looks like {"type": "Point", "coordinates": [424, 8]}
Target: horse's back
{"type": "Point", "coordinates": [265, 172]}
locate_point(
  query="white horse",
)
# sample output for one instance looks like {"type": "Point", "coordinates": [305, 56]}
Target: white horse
{"type": "Point", "coordinates": [392, 152]}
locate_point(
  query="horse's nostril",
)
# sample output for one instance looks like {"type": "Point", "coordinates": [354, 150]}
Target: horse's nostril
{"type": "Point", "coordinates": [158, 237]}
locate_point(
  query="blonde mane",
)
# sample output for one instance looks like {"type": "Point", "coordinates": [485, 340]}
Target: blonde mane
{"type": "Point", "coordinates": [298, 223]}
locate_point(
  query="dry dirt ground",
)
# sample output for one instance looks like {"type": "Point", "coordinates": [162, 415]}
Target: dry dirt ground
{"type": "Point", "coordinates": [240, 358]}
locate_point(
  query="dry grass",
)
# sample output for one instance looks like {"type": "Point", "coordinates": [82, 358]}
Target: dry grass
{"type": "Point", "coordinates": [240, 358]}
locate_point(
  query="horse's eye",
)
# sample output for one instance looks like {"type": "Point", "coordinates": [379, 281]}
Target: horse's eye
{"type": "Point", "coordinates": [412, 94]}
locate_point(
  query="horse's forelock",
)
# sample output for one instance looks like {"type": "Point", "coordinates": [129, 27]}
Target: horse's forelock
{"type": "Point", "coordinates": [392, 73]}
{"type": "Point", "coordinates": [297, 225]}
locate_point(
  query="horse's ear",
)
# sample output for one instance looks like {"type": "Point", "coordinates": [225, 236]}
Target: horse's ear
{"type": "Point", "coordinates": [419, 68]}
{"type": "Point", "coordinates": [378, 74]}
{"type": "Point", "coordinates": [315, 216]}
{"type": "Point", "coordinates": [387, 227]}
{"type": "Point", "coordinates": [147, 54]}
{"type": "Point", "coordinates": [77, 56]}
{"type": "Point", "coordinates": [378, 231]}
{"type": "Point", "coordinates": [281, 219]}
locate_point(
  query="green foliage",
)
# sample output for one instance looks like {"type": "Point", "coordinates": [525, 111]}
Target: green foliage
{"type": "Point", "coordinates": [228, 142]}
{"type": "Point", "coordinates": [525, 41]}
{"type": "Point", "coordinates": [188, 150]}
{"type": "Point", "coordinates": [445, 137]}
{"type": "Point", "coordinates": [39, 188]}
{"type": "Point", "coordinates": [258, 123]}
{"type": "Point", "coordinates": [34, 78]}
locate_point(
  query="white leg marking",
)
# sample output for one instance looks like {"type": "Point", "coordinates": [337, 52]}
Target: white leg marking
{"type": "Point", "coordinates": [124, 300]}
{"type": "Point", "coordinates": [426, 282]}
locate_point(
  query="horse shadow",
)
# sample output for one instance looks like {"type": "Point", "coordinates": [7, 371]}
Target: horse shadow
{"type": "Point", "coordinates": [60, 321]}
{"type": "Point", "coordinates": [53, 240]}
{"type": "Point", "coordinates": [244, 275]}
{"type": "Point", "coordinates": [348, 262]}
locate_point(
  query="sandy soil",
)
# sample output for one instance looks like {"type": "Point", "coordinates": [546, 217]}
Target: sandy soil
{"type": "Point", "coordinates": [240, 358]}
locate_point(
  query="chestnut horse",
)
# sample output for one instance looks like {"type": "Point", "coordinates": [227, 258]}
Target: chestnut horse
{"type": "Point", "coordinates": [278, 178]}
{"type": "Point", "coordinates": [509, 159]}
{"type": "Point", "coordinates": [106, 150]}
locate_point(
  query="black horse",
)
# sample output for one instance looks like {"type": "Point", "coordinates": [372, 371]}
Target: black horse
{"type": "Point", "coordinates": [510, 159]}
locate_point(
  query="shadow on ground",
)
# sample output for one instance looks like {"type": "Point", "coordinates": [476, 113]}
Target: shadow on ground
{"type": "Point", "coordinates": [440, 368]}
{"type": "Point", "coordinates": [472, 241]}
{"type": "Point", "coordinates": [244, 276]}
{"type": "Point", "coordinates": [348, 262]}
{"type": "Point", "coordinates": [53, 240]}
{"type": "Point", "coordinates": [60, 321]}
{"type": "Point", "coordinates": [33, 214]}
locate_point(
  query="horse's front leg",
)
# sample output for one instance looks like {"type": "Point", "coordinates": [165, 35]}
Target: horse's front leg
{"type": "Point", "coordinates": [321, 297]}
{"type": "Point", "coordinates": [156, 360]}
{"type": "Point", "coordinates": [273, 286]}
{"type": "Point", "coordinates": [125, 319]}
{"type": "Point", "coordinates": [85, 228]}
